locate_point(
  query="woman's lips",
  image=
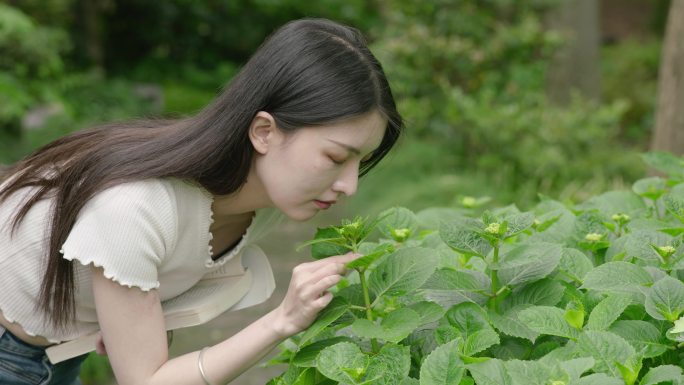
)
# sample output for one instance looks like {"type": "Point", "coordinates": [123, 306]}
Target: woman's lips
{"type": "Point", "coordinates": [323, 204]}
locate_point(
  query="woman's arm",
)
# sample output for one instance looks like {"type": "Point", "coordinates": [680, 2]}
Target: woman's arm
{"type": "Point", "coordinates": [133, 330]}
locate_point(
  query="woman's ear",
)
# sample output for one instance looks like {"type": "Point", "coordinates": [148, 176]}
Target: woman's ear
{"type": "Point", "coordinates": [262, 131]}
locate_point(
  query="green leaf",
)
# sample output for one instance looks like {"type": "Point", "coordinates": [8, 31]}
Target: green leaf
{"type": "Point", "coordinates": [574, 317]}
{"type": "Point", "coordinates": [674, 203]}
{"type": "Point", "coordinates": [396, 359]}
{"type": "Point", "coordinates": [396, 326]}
{"type": "Point", "coordinates": [328, 243]}
{"type": "Point", "coordinates": [457, 280]}
{"type": "Point", "coordinates": [528, 263]}
{"type": "Point", "coordinates": [589, 222]}
{"type": "Point", "coordinates": [366, 260]}
{"type": "Point", "coordinates": [479, 341]}
{"type": "Point", "coordinates": [543, 292]}
{"type": "Point", "coordinates": [547, 320]}
{"type": "Point", "coordinates": [397, 218]}
{"type": "Point", "coordinates": [427, 311]}
{"type": "Point", "coordinates": [542, 351]}
{"type": "Point", "coordinates": [606, 348]}
{"type": "Point", "coordinates": [618, 277]}
{"type": "Point", "coordinates": [557, 353]}
{"type": "Point", "coordinates": [463, 235]}
{"type": "Point", "coordinates": [343, 362]}
{"type": "Point", "coordinates": [448, 298]}
{"type": "Point", "coordinates": [490, 372]}
{"type": "Point", "coordinates": [402, 272]}
{"type": "Point", "coordinates": [518, 223]}
{"type": "Point", "coordinates": [528, 372]}
{"type": "Point", "coordinates": [598, 379]}
{"type": "Point", "coordinates": [637, 244]}
{"type": "Point", "coordinates": [663, 373]}
{"type": "Point", "coordinates": [442, 366]}
{"type": "Point", "coordinates": [509, 323]}
{"type": "Point", "coordinates": [545, 221]}
{"type": "Point", "coordinates": [607, 311]}
{"type": "Point", "coordinates": [410, 381]}
{"type": "Point", "coordinates": [665, 299]}
{"type": "Point", "coordinates": [665, 162]}
{"type": "Point", "coordinates": [376, 373]}
{"type": "Point", "coordinates": [614, 202]}
{"type": "Point", "coordinates": [467, 318]}
{"type": "Point", "coordinates": [294, 376]}
{"type": "Point", "coordinates": [511, 348]}
{"type": "Point", "coordinates": [630, 370]}
{"type": "Point", "coordinates": [306, 377]}
{"type": "Point", "coordinates": [576, 367]}
{"type": "Point", "coordinates": [651, 188]}
{"type": "Point", "coordinates": [307, 355]}
{"type": "Point", "coordinates": [330, 314]}
{"type": "Point", "coordinates": [574, 263]}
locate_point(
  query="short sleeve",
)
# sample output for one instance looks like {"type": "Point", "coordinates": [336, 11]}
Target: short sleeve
{"type": "Point", "coordinates": [127, 230]}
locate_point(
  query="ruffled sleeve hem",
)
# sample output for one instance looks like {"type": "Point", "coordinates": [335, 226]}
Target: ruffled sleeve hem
{"type": "Point", "coordinates": [144, 286]}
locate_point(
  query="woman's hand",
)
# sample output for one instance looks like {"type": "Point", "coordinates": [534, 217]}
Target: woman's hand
{"type": "Point", "coordinates": [308, 292]}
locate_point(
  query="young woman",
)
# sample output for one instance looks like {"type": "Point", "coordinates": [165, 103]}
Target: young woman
{"type": "Point", "coordinates": [101, 226]}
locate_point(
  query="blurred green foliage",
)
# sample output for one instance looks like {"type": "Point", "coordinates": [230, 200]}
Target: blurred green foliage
{"type": "Point", "coordinates": [29, 58]}
{"type": "Point", "coordinates": [472, 76]}
{"type": "Point", "coordinates": [630, 72]}
{"type": "Point", "coordinates": [96, 370]}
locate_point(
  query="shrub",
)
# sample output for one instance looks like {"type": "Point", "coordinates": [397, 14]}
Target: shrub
{"type": "Point", "coordinates": [29, 55]}
{"type": "Point", "coordinates": [584, 294]}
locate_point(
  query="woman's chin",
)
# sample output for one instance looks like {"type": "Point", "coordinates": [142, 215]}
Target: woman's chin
{"type": "Point", "coordinates": [301, 214]}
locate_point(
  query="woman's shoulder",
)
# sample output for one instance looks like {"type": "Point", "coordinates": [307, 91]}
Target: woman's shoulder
{"type": "Point", "coordinates": [153, 192]}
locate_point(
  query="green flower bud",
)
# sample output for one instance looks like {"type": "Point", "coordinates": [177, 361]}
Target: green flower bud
{"type": "Point", "coordinates": [400, 235]}
{"type": "Point", "coordinates": [666, 251]}
{"type": "Point", "coordinates": [350, 229]}
{"type": "Point", "coordinates": [493, 228]}
{"type": "Point", "coordinates": [358, 372]}
{"type": "Point", "coordinates": [678, 326]}
{"type": "Point", "coordinates": [593, 237]}
{"type": "Point", "coordinates": [468, 202]}
{"type": "Point", "coordinates": [621, 218]}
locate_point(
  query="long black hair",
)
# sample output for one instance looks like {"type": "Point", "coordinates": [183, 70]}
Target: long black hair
{"type": "Point", "coordinates": [309, 72]}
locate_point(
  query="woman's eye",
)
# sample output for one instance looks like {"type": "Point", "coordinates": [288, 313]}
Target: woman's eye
{"type": "Point", "coordinates": [336, 161]}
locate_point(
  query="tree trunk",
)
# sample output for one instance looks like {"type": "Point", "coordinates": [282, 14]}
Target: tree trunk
{"type": "Point", "coordinates": [669, 128]}
{"type": "Point", "coordinates": [576, 66]}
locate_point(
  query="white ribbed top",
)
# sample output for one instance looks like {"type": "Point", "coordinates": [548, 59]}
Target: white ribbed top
{"type": "Point", "coordinates": [151, 234]}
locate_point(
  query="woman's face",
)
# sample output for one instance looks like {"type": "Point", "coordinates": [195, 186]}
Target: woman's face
{"type": "Point", "coordinates": [308, 170]}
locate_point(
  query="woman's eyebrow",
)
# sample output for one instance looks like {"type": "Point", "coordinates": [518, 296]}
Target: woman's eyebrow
{"type": "Point", "coordinates": [348, 147]}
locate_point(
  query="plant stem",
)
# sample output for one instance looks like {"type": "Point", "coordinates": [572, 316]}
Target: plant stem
{"type": "Point", "coordinates": [366, 297]}
{"type": "Point", "coordinates": [494, 277]}
{"type": "Point", "coordinates": [655, 208]}
{"type": "Point", "coordinates": [366, 300]}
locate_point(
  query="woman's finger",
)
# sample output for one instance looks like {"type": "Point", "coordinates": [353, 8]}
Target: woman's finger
{"type": "Point", "coordinates": [315, 265]}
{"type": "Point", "coordinates": [318, 288]}
{"type": "Point", "coordinates": [317, 275]}
{"type": "Point", "coordinates": [323, 300]}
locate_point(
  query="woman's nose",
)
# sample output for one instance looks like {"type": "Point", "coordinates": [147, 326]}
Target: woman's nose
{"type": "Point", "coordinates": [348, 180]}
